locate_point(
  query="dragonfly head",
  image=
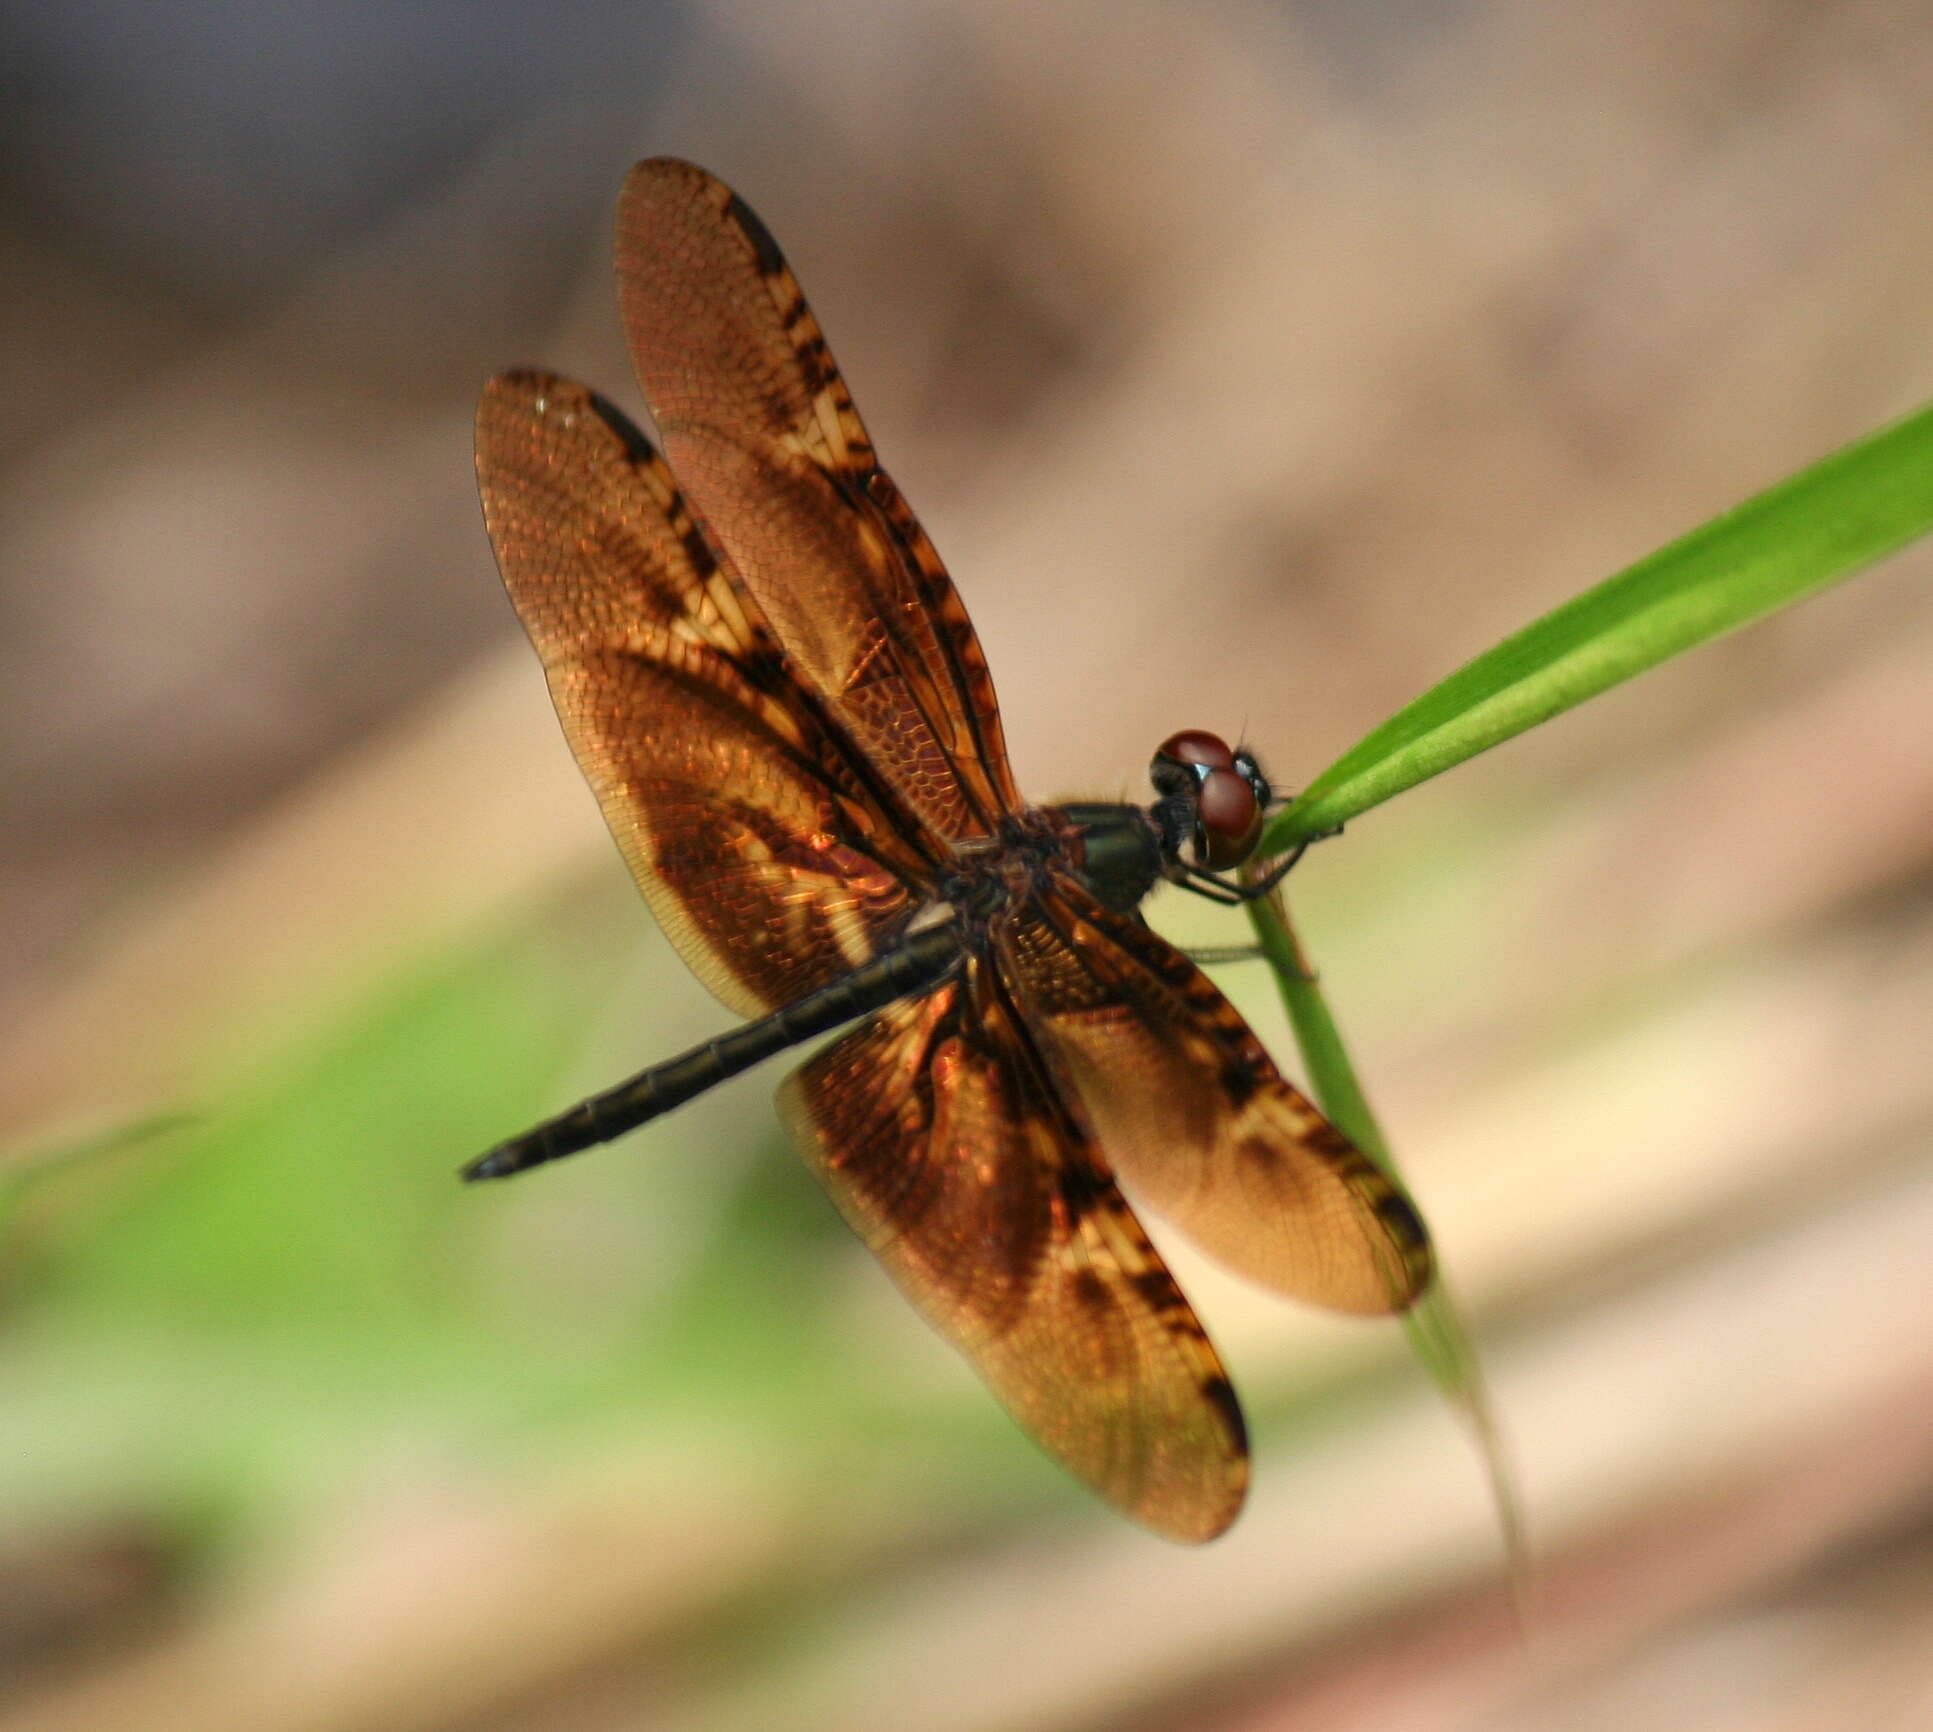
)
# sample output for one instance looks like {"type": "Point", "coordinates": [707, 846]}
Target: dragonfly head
{"type": "Point", "coordinates": [1212, 797]}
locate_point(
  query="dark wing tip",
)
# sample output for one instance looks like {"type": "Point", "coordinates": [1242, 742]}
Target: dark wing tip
{"type": "Point", "coordinates": [521, 390]}
{"type": "Point", "coordinates": [664, 168]}
{"type": "Point", "coordinates": [771, 262]}
{"type": "Point", "coordinates": [1209, 1521]}
{"type": "Point", "coordinates": [515, 388]}
{"type": "Point", "coordinates": [657, 177]}
{"type": "Point", "coordinates": [520, 380]}
{"type": "Point", "coordinates": [651, 180]}
{"type": "Point", "coordinates": [1411, 1238]}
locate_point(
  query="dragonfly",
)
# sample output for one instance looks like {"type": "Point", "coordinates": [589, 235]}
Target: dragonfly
{"type": "Point", "coordinates": [769, 681]}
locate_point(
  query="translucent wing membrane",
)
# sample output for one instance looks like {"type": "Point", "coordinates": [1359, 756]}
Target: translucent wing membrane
{"type": "Point", "coordinates": [775, 694]}
{"type": "Point", "coordinates": [978, 1186]}
{"type": "Point", "coordinates": [1194, 1115]}
{"type": "Point", "coordinates": [772, 859]}
{"type": "Point", "coordinates": [762, 432]}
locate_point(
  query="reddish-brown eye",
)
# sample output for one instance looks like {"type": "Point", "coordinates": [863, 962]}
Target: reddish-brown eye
{"type": "Point", "coordinates": [1229, 816]}
{"type": "Point", "coordinates": [1228, 795]}
{"type": "Point", "coordinates": [1197, 746]}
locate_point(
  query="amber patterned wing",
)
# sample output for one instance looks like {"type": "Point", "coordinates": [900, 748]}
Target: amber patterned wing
{"type": "Point", "coordinates": [1195, 1117]}
{"type": "Point", "coordinates": [978, 1186]}
{"type": "Point", "coordinates": [762, 432]}
{"type": "Point", "coordinates": [773, 857]}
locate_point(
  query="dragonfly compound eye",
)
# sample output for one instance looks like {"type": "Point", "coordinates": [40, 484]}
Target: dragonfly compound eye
{"type": "Point", "coordinates": [1228, 807]}
{"type": "Point", "coordinates": [1228, 819]}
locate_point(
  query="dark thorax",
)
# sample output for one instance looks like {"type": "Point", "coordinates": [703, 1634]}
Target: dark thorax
{"type": "Point", "coordinates": [1114, 849]}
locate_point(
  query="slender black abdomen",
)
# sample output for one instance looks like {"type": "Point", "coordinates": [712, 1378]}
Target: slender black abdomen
{"type": "Point", "coordinates": [922, 961]}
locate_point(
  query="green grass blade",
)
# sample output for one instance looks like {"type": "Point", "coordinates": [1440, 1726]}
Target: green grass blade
{"type": "Point", "coordinates": [1810, 530]}
{"type": "Point", "coordinates": [1438, 1335]}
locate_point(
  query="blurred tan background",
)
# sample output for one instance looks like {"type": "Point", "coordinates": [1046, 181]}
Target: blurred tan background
{"type": "Point", "coordinates": [1253, 367]}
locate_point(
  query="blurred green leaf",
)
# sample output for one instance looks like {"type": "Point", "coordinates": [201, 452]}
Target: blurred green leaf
{"type": "Point", "coordinates": [1818, 526]}
{"type": "Point", "coordinates": [296, 1288]}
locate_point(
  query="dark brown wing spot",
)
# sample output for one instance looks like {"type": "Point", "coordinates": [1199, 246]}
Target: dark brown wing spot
{"type": "Point", "coordinates": [1258, 1152]}
{"type": "Point", "coordinates": [815, 359]}
{"type": "Point", "coordinates": [1399, 1215]}
{"type": "Point", "coordinates": [1332, 1145]}
{"type": "Point", "coordinates": [766, 250]}
{"type": "Point", "coordinates": [1157, 1288]}
{"type": "Point", "coordinates": [1089, 1290]}
{"type": "Point", "coordinates": [1220, 1395]}
{"type": "Point", "coordinates": [1083, 1188]}
{"type": "Point", "coordinates": [636, 446]}
{"type": "Point", "coordinates": [765, 667]}
{"type": "Point", "coordinates": [1239, 1082]}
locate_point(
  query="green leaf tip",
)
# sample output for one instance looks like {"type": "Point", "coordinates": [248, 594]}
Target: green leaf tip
{"type": "Point", "coordinates": [1812, 529]}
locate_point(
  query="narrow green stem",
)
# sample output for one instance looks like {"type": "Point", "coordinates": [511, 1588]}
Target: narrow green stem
{"type": "Point", "coordinates": [1438, 1333]}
